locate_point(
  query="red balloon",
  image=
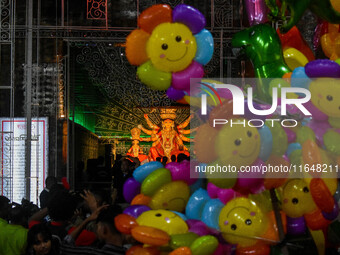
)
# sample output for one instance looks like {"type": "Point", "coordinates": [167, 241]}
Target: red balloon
{"type": "Point", "coordinates": [181, 251]}
{"type": "Point", "coordinates": [316, 221]}
{"type": "Point", "coordinates": [321, 195]}
{"type": "Point", "coordinates": [257, 249]}
{"type": "Point", "coordinates": [224, 111]}
{"type": "Point", "coordinates": [153, 16]}
{"type": "Point", "coordinates": [125, 223]}
{"type": "Point", "coordinates": [150, 235]}
{"type": "Point", "coordinates": [294, 39]}
{"type": "Point", "coordinates": [204, 146]}
{"type": "Point", "coordinates": [139, 250]}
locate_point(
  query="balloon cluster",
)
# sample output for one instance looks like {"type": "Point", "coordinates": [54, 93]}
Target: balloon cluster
{"type": "Point", "coordinates": [154, 217]}
{"type": "Point", "coordinates": [170, 47]}
{"type": "Point", "coordinates": [171, 210]}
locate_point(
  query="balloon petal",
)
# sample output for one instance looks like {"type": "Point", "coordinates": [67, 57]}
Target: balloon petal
{"type": "Point", "coordinates": [154, 78]}
{"type": "Point", "coordinates": [294, 58]}
{"type": "Point", "coordinates": [181, 80]}
{"type": "Point", "coordinates": [211, 212]}
{"type": "Point", "coordinates": [141, 199]}
{"type": "Point", "coordinates": [143, 171]}
{"type": "Point", "coordinates": [136, 47]}
{"type": "Point", "coordinates": [196, 204]}
{"type": "Point", "coordinates": [125, 223]}
{"type": "Point", "coordinates": [136, 210]}
{"type": "Point", "coordinates": [323, 68]}
{"type": "Point", "coordinates": [153, 16]}
{"type": "Point", "coordinates": [189, 16]}
{"type": "Point", "coordinates": [175, 94]}
{"type": "Point", "coordinates": [130, 189]}
{"type": "Point", "coordinates": [205, 47]}
{"type": "Point", "coordinates": [155, 180]}
{"type": "Point", "coordinates": [266, 139]}
{"type": "Point", "coordinates": [150, 235]}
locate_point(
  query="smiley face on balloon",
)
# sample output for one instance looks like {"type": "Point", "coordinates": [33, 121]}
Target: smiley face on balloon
{"type": "Point", "coordinates": [170, 47]}
{"type": "Point", "coordinates": [325, 95]}
{"type": "Point", "coordinates": [297, 199]}
{"type": "Point", "coordinates": [238, 145]}
{"type": "Point", "coordinates": [241, 222]}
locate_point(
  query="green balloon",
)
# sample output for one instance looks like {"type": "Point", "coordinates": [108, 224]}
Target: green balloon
{"type": "Point", "coordinates": [331, 139]}
{"type": "Point", "coordinates": [204, 245]}
{"type": "Point", "coordinates": [154, 78]}
{"type": "Point", "coordinates": [305, 133]}
{"type": "Point", "coordinates": [182, 240]}
{"type": "Point", "coordinates": [338, 61]}
{"type": "Point", "coordinates": [262, 45]}
{"type": "Point", "coordinates": [277, 83]}
{"type": "Point", "coordinates": [223, 180]}
{"type": "Point", "coordinates": [295, 158]}
{"type": "Point", "coordinates": [335, 122]}
{"type": "Point", "coordinates": [155, 180]}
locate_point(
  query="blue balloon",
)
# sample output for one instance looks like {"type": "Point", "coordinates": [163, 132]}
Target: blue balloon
{"type": "Point", "coordinates": [181, 215]}
{"type": "Point", "coordinates": [211, 212]}
{"type": "Point", "coordinates": [293, 147]}
{"type": "Point", "coordinates": [299, 78]}
{"type": "Point", "coordinates": [205, 47]}
{"type": "Point", "coordinates": [266, 143]}
{"type": "Point", "coordinates": [196, 203]}
{"type": "Point", "coordinates": [143, 171]}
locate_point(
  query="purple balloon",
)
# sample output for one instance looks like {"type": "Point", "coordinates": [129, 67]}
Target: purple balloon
{"type": "Point", "coordinates": [316, 113]}
{"type": "Point", "coordinates": [131, 188]}
{"type": "Point", "coordinates": [290, 135]}
{"type": "Point", "coordinates": [333, 214]}
{"type": "Point", "coordinates": [199, 228]}
{"type": "Point", "coordinates": [181, 80]}
{"type": "Point", "coordinates": [136, 210]}
{"type": "Point", "coordinates": [225, 195]}
{"type": "Point", "coordinates": [189, 16]}
{"type": "Point", "coordinates": [175, 94]}
{"type": "Point", "coordinates": [212, 190]}
{"type": "Point", "coordinates": [322, 68]}
{"type": "Point", "coordinates": [256, 11]}
{"type": "Point", "coordinates": [180, 171]}
{"type": "Point", "coordinates": [296, 226]}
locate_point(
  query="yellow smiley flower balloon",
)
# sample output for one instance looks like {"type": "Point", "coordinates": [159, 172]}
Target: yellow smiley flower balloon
{"type": "Point", "coordinates": [170, 47]}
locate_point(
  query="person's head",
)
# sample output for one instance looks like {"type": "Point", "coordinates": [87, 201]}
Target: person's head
{"type": "Point", "coordinates": [61, 205]}
{"type": "Point", "coordinates": [4, 207]}
{"type": "Point", "coordinates": [135, 142]}
{"type": "Point", "coordinates": [168, 124]}
{"type": "Point", "coordinates": [127, 166]}
{"type": "Point", "coordinates": [181, 157]}
{"type": "Point", "coordinates": [50, 181]}
{"type": "Point", "coordinates": [173, 158]}
{"type": "Point", "coordinates": [39, 239]}
{"type": "Point", "coordinates": [164, 160]}
{"type": "Point", "coordinates": [18, 216]}
{"type": "Point", "coordinates": [106, 229]}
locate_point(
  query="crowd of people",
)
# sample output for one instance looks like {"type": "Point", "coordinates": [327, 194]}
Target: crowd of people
{"type": "Point", "coordinates": [69, 222]}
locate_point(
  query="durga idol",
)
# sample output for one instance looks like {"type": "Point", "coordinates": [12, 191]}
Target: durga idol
{"type": "Point", "coordinates": [167, 141]}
